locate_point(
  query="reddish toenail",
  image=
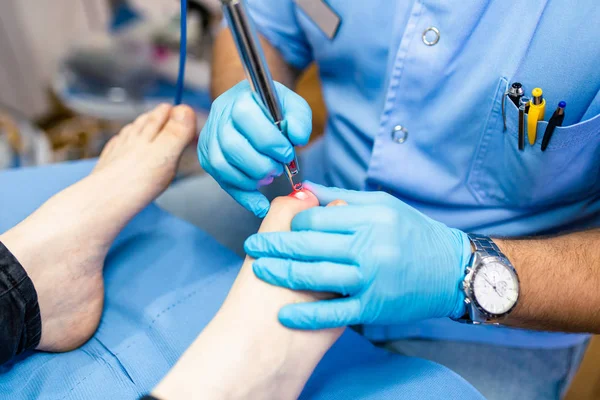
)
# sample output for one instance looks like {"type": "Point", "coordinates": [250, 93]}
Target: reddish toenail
{"type": "Point", "coordinates": [300, 195]}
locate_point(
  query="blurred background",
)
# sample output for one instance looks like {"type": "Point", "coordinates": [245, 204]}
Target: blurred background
{"type": "Point", "coordinates": [73, 72]}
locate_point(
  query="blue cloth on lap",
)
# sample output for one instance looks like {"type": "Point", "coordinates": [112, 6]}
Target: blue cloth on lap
{"type": "Point", "coordinates": [165, 279]}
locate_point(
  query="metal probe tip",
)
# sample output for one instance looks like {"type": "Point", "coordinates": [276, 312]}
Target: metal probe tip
{"type": "Point", "coordinates": [295, 186]}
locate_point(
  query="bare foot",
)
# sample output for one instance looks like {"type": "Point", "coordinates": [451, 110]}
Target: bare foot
{"type": "Point", "coordinates": [244, 352]}
{"type": "Point", "coordinates": [63, 244]}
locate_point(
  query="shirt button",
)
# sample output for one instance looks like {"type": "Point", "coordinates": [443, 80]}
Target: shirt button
{"type": "Point", "coordinates": [431, 36]}
{"type": "Point", "coordinates": [399, 134]}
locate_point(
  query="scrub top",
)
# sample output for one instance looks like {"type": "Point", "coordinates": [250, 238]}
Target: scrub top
{"type": "Point", "coordinates": [414, 91]}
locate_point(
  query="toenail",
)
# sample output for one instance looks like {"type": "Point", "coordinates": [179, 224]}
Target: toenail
{"type": "Point", "coordinates": [181, 114]}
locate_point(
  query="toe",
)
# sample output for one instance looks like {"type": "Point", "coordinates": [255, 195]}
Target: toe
{"type": "Point", "coordinates": [126, 131]}
{"type": "Point", "coordinates": [284, 209]}
{"type": "Point", "coordinates": [337, 203]}
{"type": "Point", "coordinates": [180, 128]}
{"type": "Point", "coordinates": [136, 127]}
{"type": "Point", "coordinates": [154, 121]}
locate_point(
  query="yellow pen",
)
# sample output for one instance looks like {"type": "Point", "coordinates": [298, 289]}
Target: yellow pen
{"type": "Point", "coordinates": [537, 107]}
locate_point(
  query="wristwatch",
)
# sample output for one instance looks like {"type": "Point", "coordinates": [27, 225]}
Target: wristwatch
{"type": "Point", "coordinates": [491, 284]}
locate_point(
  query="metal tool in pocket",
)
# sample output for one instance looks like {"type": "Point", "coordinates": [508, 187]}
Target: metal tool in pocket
{"type": "Point", "coordinates": [514, 93]}
{"type": "Point", "coordinates": [323, 15]}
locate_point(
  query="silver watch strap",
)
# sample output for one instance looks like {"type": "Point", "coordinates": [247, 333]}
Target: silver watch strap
{"type": "Point", "coordinates": [486, 245]}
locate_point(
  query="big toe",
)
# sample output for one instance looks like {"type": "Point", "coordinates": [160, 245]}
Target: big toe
{"type": "Point", "coordinates": [337, 203]}
{"type": "Point", "coordinates": [179, 130]}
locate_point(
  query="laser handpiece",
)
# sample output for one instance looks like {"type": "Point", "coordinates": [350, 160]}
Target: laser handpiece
{"type": "Point", "coordinates": [257, 71]}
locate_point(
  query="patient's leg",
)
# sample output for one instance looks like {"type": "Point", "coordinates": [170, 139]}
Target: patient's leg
{"type": "Point", "coordinates": [63, 244]}
{"type": "Point", "coordinates": [245, 353]}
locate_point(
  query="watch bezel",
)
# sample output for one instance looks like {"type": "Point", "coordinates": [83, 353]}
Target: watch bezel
{"type": "Point", "coordinates": [478, 263]}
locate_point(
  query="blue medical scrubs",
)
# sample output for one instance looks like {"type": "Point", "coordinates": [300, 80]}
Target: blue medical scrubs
{"type": "Point", "coordinates": [414, 92]}
{"type": "Point", "coordinates": [164, 282]}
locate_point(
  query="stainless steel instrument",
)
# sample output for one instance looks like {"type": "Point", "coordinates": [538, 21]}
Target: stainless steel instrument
{"type": "Point", "coordinates": [257, 71]}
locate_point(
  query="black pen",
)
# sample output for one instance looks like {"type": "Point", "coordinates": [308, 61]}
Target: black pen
{"type": "Point", "coordinates": [514, 93]}
{"type": "Point", "coordinates": [523, 108]}
{"type": "Point", "coordinates": [556, 120]}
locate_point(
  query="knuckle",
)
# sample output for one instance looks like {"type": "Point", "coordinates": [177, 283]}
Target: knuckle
{"type": "Point", "coordinates": [356, 246]}
{"type": "Point", "coordinates": [273, 244]}
{"type": "Point", "coordinates": [228, 141]}
{"type": "Point", "coordinates": [357, 277]}
{"type": "Point", "coordinates": [218, 164]}
{"type": "Point", "coordinates": [384, 216]}
{"type": "Point", "coordinates": [242, 107]}
{"type": "Point", "coordinates": [217, 105]}
{"type": "Point", "coordinates": [223, 99]}
{"type": "Point", "coordinates": [259, 171]}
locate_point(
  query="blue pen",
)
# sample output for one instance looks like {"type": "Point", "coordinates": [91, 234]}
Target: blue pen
{"type": "Point", "coordinates": [556, 120]}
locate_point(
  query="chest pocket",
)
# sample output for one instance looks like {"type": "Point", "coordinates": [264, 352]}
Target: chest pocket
{"type": "Point", "coordinates": [568, 171]}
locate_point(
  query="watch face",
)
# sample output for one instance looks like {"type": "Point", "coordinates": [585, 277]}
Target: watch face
{"type": "Point", "coordinates": [496, 287]}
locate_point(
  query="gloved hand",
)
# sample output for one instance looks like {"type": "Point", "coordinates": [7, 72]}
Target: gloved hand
{"type": "Point", "coordinates": [241, 147]}
{"type": "Point", "coordinates": [392, 263]}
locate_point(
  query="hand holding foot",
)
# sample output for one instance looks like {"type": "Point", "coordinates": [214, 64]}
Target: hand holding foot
{"type": "Point", "coordinates": [245, 353]}
{"type": "Point", "coordinates": [62, 246]}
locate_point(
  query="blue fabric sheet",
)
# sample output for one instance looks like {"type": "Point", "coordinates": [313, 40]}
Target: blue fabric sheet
{"type": "Point", "coordinates": [165, 279]}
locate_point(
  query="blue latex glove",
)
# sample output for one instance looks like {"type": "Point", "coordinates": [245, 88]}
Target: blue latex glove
{"type": "Point", "coordinates": [241, 147]}
{"type": "Point", "coordinates": [392, 263]}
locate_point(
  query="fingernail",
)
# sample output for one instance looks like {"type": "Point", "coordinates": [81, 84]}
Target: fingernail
{"type": "Point", "coordinates": [288, 154]}
{"type": "Point", "coordinates": [277, 170]}
{"type": "Point", "coordinates": [263, 273]}
{"type": "Point", "coordinates": [262, 208]}
{"type": "Point", "coordinates": [286, 318]}
{"type": "Point", "coordinates": [257, 269]}
{"type": "Point", "coordinates": [249, 244]}
{"type": "Point", "coordinates": [308, 184]}
{"type": "Point", "coordinates": [182, 114]}
{"type": "Point", "coordinates": [265, 181]}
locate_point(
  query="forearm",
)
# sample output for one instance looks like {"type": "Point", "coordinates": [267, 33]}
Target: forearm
{"type": "Point", "coordinates": [559, 281]}
{"type": "Point", "coordinates": [227, 69]}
